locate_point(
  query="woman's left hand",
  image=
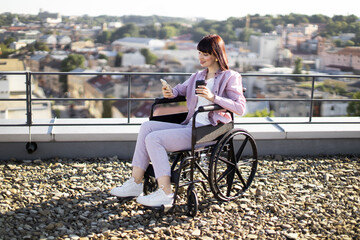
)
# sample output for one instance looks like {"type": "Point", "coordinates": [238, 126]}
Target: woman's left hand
{"type": "Point", "coordinates": [167, 91]}
{"type": "Point", "coordinates": [205, 92]}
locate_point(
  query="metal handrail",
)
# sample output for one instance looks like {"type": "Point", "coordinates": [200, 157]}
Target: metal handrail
{"type": "Point", "coordinates": [128, 75]}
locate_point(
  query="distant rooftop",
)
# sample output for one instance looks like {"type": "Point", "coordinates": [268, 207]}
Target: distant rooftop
{"type": "Point", "coordinates": [11, 65]}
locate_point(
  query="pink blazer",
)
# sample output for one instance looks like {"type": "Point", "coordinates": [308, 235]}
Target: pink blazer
{"type": "Point", "coordinates": [228, 91]}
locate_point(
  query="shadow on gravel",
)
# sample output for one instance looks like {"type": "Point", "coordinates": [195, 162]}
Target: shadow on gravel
{"type": "Point", "coordinates": [51, 200]}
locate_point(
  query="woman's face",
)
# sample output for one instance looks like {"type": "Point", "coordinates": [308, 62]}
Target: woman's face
{"type": "Point", "coordinates": [207, 60]}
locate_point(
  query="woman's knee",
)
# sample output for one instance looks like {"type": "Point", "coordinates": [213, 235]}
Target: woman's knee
{"type": "Point", "coordinates": [145, 126]}
{"type": "Point", "coordinates": [151, 138]}
{"type": "Point", "coordinates": [149, 126]}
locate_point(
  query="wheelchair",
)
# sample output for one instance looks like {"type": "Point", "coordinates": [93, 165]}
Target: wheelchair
{"type": "Point", "coordinates": [222, 156]}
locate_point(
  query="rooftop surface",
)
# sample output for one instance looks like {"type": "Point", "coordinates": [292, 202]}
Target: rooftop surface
{"type": "Point", "coordinates": [11, 65]}
{"type": "Point", "coordinates": [291, 198]}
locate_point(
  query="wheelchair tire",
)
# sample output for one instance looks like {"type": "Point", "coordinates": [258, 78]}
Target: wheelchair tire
{"type": "Point", "coordinates": [232, 165]}
{"type": "Point", "coordinates": [193, 202]}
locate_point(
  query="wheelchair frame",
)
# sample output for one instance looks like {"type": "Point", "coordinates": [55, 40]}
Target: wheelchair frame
{"type": "Point", "coordinates": [212, 143]}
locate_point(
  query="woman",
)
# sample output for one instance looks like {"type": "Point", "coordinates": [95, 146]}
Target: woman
{"type": "Point", "coordinates": [155, 139]}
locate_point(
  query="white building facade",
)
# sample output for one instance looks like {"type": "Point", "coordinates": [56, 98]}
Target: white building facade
{"type": "Point", "coordinates": [266, 46]}
{"type": "Point", "coordinates": [137, 43]}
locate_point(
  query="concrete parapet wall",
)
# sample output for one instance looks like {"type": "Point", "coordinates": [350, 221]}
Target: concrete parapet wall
{"type": "Point", "coordinates": [273, 136]}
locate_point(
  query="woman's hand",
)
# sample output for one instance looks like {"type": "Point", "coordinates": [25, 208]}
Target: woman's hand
{"type": "Point", "coordinates": [167, 91]}
{"type": "Point", "coordinates": [205, 92]}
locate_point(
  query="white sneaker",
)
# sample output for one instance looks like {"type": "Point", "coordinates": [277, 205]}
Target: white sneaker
{"type": "Point", "coordinates": [129, 189]}
{"type": "Point", "coordinates": [156, 199]}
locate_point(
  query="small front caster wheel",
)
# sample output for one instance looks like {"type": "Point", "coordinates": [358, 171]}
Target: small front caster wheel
{"type": "Point", "coordinates": [193, 202]}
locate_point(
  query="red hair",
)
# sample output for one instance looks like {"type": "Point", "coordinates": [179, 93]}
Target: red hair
{"type": "Point", "coordinates": [213, 44]}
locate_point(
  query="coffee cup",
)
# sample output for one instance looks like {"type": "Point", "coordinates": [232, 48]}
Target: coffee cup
{"type": "Point", "coordinates": [199, 83]}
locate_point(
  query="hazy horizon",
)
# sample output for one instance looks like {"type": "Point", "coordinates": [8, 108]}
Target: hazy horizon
{"type": "Point", "coordinates": [217, 10]}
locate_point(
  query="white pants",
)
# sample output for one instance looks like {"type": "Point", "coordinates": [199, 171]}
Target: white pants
{"type": "Point", "coordinates": [155, 139]}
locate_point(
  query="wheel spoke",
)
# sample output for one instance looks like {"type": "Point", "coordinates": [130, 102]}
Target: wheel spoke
{"type": "Point", "coordinates": [224, 174]}
{"type": "Point", "coordinates": [230, 179]}
{"type": "Point", "coordinates": [238, 173]}
{"type": "Point", "coordinates": [224, 160]}
{"type": "Point", "coordinates": [242, 147]}
{"type": "Point", "coordinates": [230, 176]}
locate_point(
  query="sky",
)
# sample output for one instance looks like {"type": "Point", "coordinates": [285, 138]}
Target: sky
{"type": "Point", "coordinates": [209, 9]}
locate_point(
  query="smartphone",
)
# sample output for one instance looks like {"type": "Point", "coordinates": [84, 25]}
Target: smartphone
{"type": "Point", "coordinates": [199, 83]}
{"type": "Point", "coordinates": [164, 82]}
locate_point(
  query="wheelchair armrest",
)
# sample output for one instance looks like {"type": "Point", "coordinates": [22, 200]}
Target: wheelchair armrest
{"type": "Point", "coordinates": [208, 108]}
{"type": "Point", "coordinates": [170, 100]}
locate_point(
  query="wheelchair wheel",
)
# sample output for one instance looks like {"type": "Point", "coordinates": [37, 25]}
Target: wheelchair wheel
{"type": "Point", "coordinates": [232, 165]}
{"type": "Point", "coordinates": [193, 202]}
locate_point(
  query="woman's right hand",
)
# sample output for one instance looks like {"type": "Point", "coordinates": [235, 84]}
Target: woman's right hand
{"type": "Point", "coordinates": [167, 91]}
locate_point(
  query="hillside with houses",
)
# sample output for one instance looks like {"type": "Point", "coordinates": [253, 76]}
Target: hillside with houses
{"type": "Point", "coordinates": [50, 42]}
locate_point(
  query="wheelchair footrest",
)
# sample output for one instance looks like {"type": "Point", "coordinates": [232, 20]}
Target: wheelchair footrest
{"type": "Point", "coordinates": [162, 208]}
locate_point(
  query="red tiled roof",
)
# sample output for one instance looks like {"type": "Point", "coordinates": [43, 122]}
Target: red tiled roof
{"type": "Point", "coordinates": [350, 51]}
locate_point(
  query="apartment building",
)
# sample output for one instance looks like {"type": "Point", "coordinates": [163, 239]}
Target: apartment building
{"type": "Point", "coordinates": [137, 43]}
{"type": "Point", "coordinates": [345, 59]}
{"type": "Point", "coordinates": [13, 87]}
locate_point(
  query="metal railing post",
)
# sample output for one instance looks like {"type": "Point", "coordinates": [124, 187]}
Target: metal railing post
{"type": "Point", "coordinates": [312, 99]}
{"type": "Point", "coordinates": [28, 99]}
{"type": "Point", "coordinates": [129, 97]}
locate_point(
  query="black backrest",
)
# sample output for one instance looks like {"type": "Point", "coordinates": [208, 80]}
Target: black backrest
{"type": "Point", "coordinates": [172, 118]}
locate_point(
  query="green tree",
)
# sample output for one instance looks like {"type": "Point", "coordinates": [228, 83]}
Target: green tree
{"type": "Point", "coordinates": [226, 31]}
{"type": "Point", "coordinates": [245, 35]}
{"type": "Point", "coordinates": [150, 31]}
{"type": "Point", "coordinates": [107, 109]}
{"type": "Point", "coordinates": [9, 40]}
{"type": "Point", "coordinates": [172, 47]}
{"type": "Point", "coordinates": [261, 113]}
{"type": "Point", "coordinates": [118, 59]}
{"type": "Point", "coordinates": [5, 51]}
{"type": "Point", "coordinates": [337, 42]}
{"type": "Point", "coordinates": [128, 30]}
{"type": "Point", "coordinates": [318, 18]}
{"type": "Point", "coordinates": [70, 63]}
{"type": "Point", "coordinates": [237, 22]}
{"type": "Point", "coordinates": [349, 43]}
{"type": "Point", "coordinates": [353, 108]}
{"type": "Point", "coordinates": [150, 57]}
{"type": "Point", "coordinates": [198, 33]}
{"type": "Point", "coordinates": [103, 56]}
{"type": "Point", "coordinates": [104, 37]}
{"type": "Point", "coordinates": [298, 69]}
{"type": "Point", "coordinates": [41, 46]}
{"type": "Point", "coordinates": [167, 32]}
{"type": "Point", "coordinates": [267, 26]}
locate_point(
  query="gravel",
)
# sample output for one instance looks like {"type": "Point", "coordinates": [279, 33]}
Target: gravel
{"type": "Point", "coordinates": [291, 198]}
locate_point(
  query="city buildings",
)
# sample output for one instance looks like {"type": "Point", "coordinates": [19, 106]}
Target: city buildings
{"type": "Point", "coordinates": [267, 53]}
{"type": "Point", "coordinates": [13, 87]}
